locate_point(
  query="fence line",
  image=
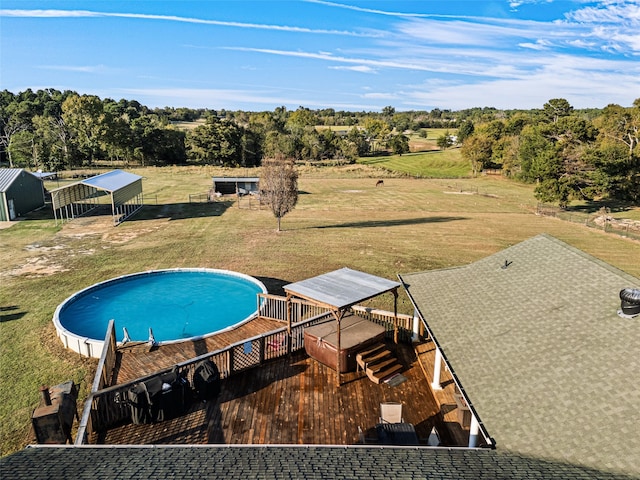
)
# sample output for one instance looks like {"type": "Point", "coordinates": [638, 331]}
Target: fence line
{"type": "Point", "coordinates": [600, 221]}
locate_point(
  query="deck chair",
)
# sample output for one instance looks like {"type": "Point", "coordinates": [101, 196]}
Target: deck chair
{"type": "Point", "coordinates": [464, 414]}
{"type": "Point", "coordinates": [363, 439]}
{"type": "Point", "coordinates": [277, 343]}
{"type": "Point", "coordinates": [391, 412]}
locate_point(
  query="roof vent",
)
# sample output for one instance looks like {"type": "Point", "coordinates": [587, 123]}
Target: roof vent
{"type": "Point", "coordinates": [629, 302]}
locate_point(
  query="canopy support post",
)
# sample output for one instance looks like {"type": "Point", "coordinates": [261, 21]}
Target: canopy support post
{"type": "Point", "coordinates": [395, 315]}
{"type": "Point", "coordinates": [338, 314]}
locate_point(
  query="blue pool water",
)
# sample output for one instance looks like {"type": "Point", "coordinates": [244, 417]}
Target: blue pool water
{"type": "Point", "coordinates": [175, 304]}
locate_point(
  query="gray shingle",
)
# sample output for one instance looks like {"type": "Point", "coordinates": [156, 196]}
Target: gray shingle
{"type": "Point", "coordinates": [548, 365]}
{"type": "Point", "coordinates": [209, 462]}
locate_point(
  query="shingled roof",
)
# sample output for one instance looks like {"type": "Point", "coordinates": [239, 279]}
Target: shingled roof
{"type": "Point", "coordinates": [533, 337]}
{"type": "Point", "coordinates": [290, 462]}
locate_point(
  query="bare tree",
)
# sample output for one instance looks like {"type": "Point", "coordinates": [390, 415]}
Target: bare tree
{"type": "Point", "coordinates": [279, 185]}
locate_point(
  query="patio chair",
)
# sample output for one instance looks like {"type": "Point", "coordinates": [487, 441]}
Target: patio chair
{"type": "Point", "coordinates": [277, 343]}
{"type": "Point", "coordinates": [391, 412]}
{"type": "Point", "coordinates": [464, 414]}
{"type": "Point", "coordinates": [364, 438]}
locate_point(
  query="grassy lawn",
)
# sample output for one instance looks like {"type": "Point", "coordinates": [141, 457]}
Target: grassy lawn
{"type": "Point", "coordinates": [432, 164]}
{"type": "Point", "coordinates": [425, 160]}
{"type": "Point", "coordinates": [341, 220]}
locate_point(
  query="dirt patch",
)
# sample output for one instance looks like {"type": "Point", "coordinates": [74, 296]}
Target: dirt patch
{"type": "Point", "coordinates": [41, 266]}
{"type": "Point", "coordinates": [81, 236]}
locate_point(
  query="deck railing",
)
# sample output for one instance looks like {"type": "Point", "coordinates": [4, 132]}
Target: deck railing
{"type": "Point", "coordinates": [274, 307]}
{"type": "Point", "coordinates": [399, 328]}
{"type": "Point", "coordinates": [106, 407]}
{"type": "Point", "coordinates": [104, 373]}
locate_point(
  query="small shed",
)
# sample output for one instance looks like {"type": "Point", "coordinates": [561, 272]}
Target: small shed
{"type": "Point", "coordinates": [20, 193]}
{"type": "Point", "coordinates": [236, 185]}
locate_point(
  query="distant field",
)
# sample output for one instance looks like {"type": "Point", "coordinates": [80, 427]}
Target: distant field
{"type": "Point", "coordinates": [433, 164]}
{"type": "Point", "coordinates": [342, 220]}
{"type": "Point", "coordinates": [189, 125]}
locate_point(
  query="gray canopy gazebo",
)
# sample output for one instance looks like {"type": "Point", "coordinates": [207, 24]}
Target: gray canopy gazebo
{"type": "Point", "coordinates": [338, 291]}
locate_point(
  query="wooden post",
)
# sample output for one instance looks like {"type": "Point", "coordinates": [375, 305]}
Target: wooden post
{"type": "Point", "coordinates": [289, 323]}
{"type": "Point", "coordinates": [230, 362]}
{"type": "Point", "coordinates": [395, 316]}
{"type": "Point", "coordinates": [338, 316]}
{"type": "Point", "coordinates": [263, 346]}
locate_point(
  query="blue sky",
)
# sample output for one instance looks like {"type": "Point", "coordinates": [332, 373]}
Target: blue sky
{"type": "Point", "coordinates": [346, 55]}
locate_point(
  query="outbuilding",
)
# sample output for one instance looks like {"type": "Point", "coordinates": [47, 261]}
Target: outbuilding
{"type": "Point", "coordinates": [20, 193]}
{"type": "Point", "coordinates": [236, 185]}
{"type": "Point", "coordinates": [123, 191]}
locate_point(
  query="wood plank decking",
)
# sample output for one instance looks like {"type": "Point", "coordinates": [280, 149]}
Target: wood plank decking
{"type": "Point", "coordinates": [293, 400]}
{"type": "Point", "coordinates": [426, 352]}
{"type": "Point", "coordinates": [137, 361]}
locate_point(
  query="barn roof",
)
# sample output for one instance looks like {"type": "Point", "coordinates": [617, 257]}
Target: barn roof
{"type": "Point", "coordinates": [236, 179]}
{"type": "Point", "coordinates": [111, 181]}
{"type": "Point", "coordinates": [8, 176]}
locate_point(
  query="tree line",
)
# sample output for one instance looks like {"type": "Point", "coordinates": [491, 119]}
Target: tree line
{"type": "Point", "coordinates": [54, 130]}
{"type": "Point", "coordinates": [568, 154]}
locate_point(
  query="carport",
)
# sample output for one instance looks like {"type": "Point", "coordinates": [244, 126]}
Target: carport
{"type": "Point", "coordinates": [124, 190]}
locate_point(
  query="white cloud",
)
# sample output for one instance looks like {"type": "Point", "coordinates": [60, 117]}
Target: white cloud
{"type": "Point", "coordinates": [228, 98]}
{"type": "Point", "coordinates": [381, 96]}
{"type": "Point", "coordinates": [174, 18]}
{"type": "Point", "coordinates": [77, 68]}
{"type": "Point", "coordinates": [355, 68]}
{"type": "Point", "coordinates": [367, 10]}
{"type": "Point", "coordinates": [539, 45]}
{"type": "Point", "coordinates": [614, 26]}
{"type": "Point", "coordinates": [563, 77]}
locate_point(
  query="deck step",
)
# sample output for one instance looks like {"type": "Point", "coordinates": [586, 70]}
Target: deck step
{"type": "Point", "coordinates": [373, 354]}
{"type": "Point", "coordinates": [377, 358]}
{"type": "Point", "coordinates": [380, 376]}
{"type": "Point", "coordinates": [371, 350]}
{"type": "Point", "coordinates": [382, 365]}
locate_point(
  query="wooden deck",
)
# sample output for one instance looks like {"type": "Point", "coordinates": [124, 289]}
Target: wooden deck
{"type": "Point", "coordinates": [448, 419]}
{"type": "Point", "coordinates": [295, 400]}
{"type": "Point", "coordinates": [137, 360]}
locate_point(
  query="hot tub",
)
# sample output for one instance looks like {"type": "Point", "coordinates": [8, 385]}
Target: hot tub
{"type": "Point", "coordinates": [356, 334]}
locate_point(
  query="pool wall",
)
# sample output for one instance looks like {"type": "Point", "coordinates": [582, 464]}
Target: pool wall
{"type": "Point", "coordinates": [90, 347]}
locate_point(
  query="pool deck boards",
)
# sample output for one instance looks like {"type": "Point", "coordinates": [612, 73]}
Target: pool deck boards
{"type": "Point", "coordinates": [137, 360]}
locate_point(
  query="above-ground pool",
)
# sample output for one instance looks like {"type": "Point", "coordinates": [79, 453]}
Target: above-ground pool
{"type": "Point", "coordinates": [177, 305]}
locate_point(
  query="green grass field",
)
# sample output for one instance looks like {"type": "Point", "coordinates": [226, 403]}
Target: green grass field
{"type": "Point", "coordinates": [342, 220]}
{"type": "Point", "coordinates": [432, 164]}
